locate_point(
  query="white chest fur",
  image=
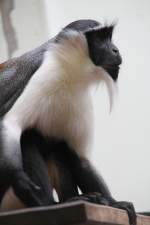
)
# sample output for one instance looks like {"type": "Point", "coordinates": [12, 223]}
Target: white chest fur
{"type": "Point", "coordinates": [62, 114]}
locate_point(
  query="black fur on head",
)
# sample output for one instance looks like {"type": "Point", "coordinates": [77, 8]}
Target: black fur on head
{"type": "Point", "coordinates": [83, 25]}
{"type": "Point", "coordinates": [101, 49]}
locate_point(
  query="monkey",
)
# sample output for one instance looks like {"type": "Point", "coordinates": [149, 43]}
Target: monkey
{"type": "Point", "coordinates": [50, 92]}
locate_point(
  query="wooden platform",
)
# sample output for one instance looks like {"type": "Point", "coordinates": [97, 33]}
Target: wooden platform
{"type": "Point", "coordinates": [77, 213]}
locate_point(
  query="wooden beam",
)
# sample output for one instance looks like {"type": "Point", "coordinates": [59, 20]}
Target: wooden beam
{"type": "Point", "coordinates": [75, 213]}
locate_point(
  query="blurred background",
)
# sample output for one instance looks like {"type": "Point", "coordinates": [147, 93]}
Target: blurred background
{"type": "Point", "coordinates": [121, 148]}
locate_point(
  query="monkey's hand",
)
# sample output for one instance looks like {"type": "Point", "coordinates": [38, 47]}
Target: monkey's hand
{"type": "Point", "coordinates": [25, 189]}
{"type": "Point", "coordinates": [96, 197]}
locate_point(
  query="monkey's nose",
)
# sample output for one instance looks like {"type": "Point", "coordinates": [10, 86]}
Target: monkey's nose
{"type": "Point", "coordinates": [117, 56]}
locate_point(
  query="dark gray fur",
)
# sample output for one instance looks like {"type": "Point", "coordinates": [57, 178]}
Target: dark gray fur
{"type": "Point", "coordinates": [16, 74]}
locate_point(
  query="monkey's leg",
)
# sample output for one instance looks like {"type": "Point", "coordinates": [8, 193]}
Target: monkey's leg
{"type": "Point", "coordinates": [35, 166]}
{"type": "Point", "coordinates": [11, 162]}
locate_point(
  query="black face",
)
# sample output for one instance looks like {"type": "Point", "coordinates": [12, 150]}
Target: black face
{"type": "Point", "coordinates": [102, 51]}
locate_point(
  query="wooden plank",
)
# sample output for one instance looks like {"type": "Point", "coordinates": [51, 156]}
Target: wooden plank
{"type": "Point", "coordinates": [76, 213]}
{"type": "Point", "coordinates": [111, 216]}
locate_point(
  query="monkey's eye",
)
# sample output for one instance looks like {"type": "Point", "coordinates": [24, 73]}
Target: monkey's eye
{"type": "Point", "coordinates": [106, 32]}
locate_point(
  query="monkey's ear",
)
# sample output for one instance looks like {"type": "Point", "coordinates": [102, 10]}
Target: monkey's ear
{"type": "Point", "coordinates": [102, 33]}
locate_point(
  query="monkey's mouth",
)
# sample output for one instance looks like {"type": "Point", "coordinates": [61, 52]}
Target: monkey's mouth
{"type": "Point", "coordinates": [113, 71]}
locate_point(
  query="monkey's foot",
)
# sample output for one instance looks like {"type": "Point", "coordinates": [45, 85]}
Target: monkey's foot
{"type": "Point", "coordinates": [128, 206]}
{"type": "Point", "coordinates": [25, 189]}
{"type": "Point", "coordinates": [93, 197]}
{"type": "Point", "coordinates": [97, 198]}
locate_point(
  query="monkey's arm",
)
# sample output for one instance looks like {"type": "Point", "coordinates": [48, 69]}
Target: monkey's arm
{"type": "Point", "coordinates": [85, 175]}
{"type": "Point", "coordinates": [95, 190]}
{"type": "Point", "coordinates": [92, 185]}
